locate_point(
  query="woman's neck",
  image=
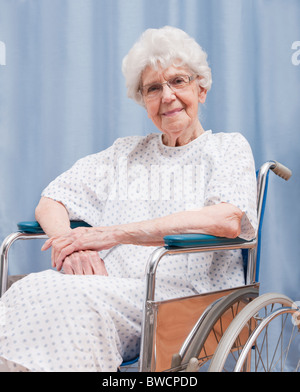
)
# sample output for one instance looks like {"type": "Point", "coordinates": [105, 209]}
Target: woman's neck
{"type": "Point", "coordinates": [181, 138]}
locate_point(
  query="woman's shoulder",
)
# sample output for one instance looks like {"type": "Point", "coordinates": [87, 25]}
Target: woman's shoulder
{"type": "Point", "coordinates": [225, 136]}
{"type": "Point", "coordinates": [121, 147]}
{"type": "Point", "coordinates": [132, 140]}
{"type": "Point", "coordinates": [129, 141]}
{"type": "Point", "coordinates": [227, 139]}
{"type": "Point", "coordinates": [125, 145]}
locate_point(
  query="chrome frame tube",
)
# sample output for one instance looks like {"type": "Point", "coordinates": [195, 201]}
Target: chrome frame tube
{"type": "Point", "coordinates": [4, 260]}
{"type": "Point", "coordinates": [280, 170]}
{"type": "Point", "coordinates": [251, 266]}
{"type": "Point", "coordinates": [147, 355]}
{"type": "Point", "coordinates": [261, 186]}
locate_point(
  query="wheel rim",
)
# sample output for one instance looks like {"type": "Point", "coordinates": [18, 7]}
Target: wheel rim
{"type": "Point", "coordinates": [230, 349]}
{"type": "Point", "coordinates": [270, 344]}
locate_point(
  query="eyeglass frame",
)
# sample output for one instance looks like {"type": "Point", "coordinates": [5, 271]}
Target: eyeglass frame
{"type": "Point", "coordinates": [190, 77]}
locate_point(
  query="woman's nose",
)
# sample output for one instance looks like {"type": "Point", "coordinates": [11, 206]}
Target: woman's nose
{"type": "Point", "coordinates": [168, 94]}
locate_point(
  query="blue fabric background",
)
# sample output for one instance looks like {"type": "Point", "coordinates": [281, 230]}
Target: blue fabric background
{"type": "Point", "coordinates": [62, 96]}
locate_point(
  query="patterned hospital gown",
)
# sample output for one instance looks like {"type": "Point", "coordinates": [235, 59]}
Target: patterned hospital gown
{"type": "Point", "coordinates": [56, 322]}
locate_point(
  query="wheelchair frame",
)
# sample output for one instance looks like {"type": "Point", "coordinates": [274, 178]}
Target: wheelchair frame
{"type": "Point", "coordinates": [216, 303]}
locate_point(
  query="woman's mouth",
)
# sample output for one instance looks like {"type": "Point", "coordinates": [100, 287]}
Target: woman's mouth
{"type": "Point", "coordinates": [172, 113]}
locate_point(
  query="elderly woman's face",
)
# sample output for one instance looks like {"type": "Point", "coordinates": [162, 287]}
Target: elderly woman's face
{"type": "Point", "coordinates": [173, 112]}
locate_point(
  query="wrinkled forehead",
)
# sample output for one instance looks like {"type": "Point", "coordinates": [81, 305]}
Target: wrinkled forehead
{"type": "Point", "coordinates": [158, 73]}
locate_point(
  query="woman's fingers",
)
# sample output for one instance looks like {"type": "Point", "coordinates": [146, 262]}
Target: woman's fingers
{"type": "Point", "coordinates": [61, 252]}
{"type": "Point", "coordinates": [84, 263]}
{"type": "Point", "coordinates": [75, 233]}
{"type": "Point", "coordinates": [97, 264]}
{"type": "Point", "coordinates": [47, 244]}
{"type": "Point", "coordinates": [81, 239]}
{"type": "Point", "coordinates": [71, 265]}
{"type": "Point", "coordinates": [59, 244]}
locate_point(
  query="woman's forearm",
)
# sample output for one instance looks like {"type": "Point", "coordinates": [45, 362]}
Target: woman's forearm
{"type": "Point", "coordinates": [53, 217]}
{"type": "Point", "coordinates": [223, 220]}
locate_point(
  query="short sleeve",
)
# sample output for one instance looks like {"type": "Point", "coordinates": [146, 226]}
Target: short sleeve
{"type": "Point", "coordinates": [233, 180]}
{"type": "Point", "coordinates": [83, 189]}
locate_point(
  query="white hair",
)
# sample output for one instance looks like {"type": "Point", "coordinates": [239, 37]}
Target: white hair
{"type": "Point", "coordinates": [165, 46]}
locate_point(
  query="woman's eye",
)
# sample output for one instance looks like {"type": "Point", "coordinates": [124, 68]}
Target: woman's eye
{"type": "Point", "coordinates": [178, 80]}
{"type": "Point", "coordinates": [154, 88]}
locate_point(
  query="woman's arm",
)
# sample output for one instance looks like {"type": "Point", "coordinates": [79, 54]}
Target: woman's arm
{"type": "Point", "coordinates": [54, 219]}
{"type": "Point", "coordinates": [223, 220]}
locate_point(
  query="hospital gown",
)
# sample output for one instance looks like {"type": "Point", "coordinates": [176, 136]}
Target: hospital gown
{"type": "Point", "coordinates": [52, 321]}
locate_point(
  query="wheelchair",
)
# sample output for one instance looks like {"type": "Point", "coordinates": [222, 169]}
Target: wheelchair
{"type": "Point", "coordinates": [228, 330]}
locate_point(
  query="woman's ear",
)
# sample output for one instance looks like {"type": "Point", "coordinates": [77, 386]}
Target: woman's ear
{"type": "Point", "coordinates": [202, 94]}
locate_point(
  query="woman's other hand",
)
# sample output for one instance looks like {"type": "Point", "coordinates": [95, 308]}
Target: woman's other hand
{"type": "Point", "coordinates": [81, 243]}
{"type": "Point", "coordinates": [84, 263]}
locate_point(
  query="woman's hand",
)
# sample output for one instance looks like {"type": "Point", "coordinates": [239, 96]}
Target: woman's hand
{"type": "Point", "coordinates": [79, 244]}
{"type": "Point", "coordinates": [84, 263]}
{"type": "Point", "coordinates": [78, 261]}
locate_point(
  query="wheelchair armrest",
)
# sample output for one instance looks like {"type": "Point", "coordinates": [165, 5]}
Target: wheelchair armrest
{"type": "Point", "coordinates": [33, 227]}
{"type": "Point", "coordinates": [190, 243]}
{"type": "Point", "coordinates": [199, 240]}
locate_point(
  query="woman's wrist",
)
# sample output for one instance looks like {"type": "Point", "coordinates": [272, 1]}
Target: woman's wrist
{"type": "Point", "coordinates": [139, 233]}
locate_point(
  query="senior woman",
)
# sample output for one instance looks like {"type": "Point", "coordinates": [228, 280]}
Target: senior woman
{"type": "Point", "coordinates": [181, 180]}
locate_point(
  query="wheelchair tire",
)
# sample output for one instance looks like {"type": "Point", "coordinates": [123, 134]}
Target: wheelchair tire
{"type": "Point", "coordinates": [261, 352]}
{"type": "Point", "coordinates": [229, 303]}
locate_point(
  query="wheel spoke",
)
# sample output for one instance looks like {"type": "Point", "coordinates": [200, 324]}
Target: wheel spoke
{"type": "Point", "coordinates": [271, 313]}
{"type": "Point", "coordinates": [280, 351]}
{"type": "Point", "coordinates": [280, 340]}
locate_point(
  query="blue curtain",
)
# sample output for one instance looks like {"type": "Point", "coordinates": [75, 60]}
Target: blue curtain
{"type": "Point", "coordinates": [62, 96]}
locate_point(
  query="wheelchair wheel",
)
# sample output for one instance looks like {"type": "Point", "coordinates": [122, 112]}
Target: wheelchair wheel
{"type": "Point", "coordinates": [273, 346]}
{"type": "Point", "coordinates": [201, 345]}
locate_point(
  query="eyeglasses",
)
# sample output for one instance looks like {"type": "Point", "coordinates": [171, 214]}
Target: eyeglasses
{"type": "Point", "coordinates": [154, 90]}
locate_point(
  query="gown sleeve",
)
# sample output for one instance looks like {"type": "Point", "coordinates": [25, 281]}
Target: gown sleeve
{"type": "Point", "coordinates": [234, 181]}
{"type": "Point", "coordinates": [84, 188]}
